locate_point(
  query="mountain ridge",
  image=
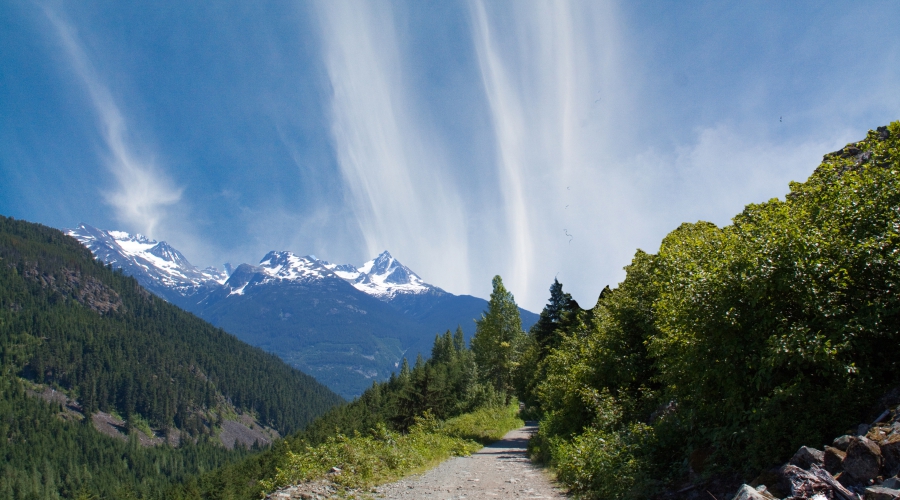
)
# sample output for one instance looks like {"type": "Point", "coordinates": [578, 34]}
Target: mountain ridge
{"type": "Point", "coordinates": [345, 325]}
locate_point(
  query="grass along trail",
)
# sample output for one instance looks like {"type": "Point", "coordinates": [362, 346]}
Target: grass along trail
{"type": "Point", "coordinates": [500, 470]}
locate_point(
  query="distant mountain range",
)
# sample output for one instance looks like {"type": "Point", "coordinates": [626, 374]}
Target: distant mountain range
{"type": "Point", "coordinates": [347, 326]}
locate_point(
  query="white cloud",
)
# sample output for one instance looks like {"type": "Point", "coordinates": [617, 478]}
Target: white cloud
{"type": "Point", "coordinates": [722, 170]}
{"type": "Point", "coordinates": [581, 190]}
{"type": "Point", "coordinates": [551, 74]}
{"type": "Point", "coordinates": [391, 165]}
{"type": "Point", "coordinates": [143, 192]}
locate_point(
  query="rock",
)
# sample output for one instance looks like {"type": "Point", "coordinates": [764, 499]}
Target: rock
{"type": "Point", "coordinates": [833, 459]}
{"type": "Point", "coordinates": [890, 451]}
{"type": "Point", "coordinates": [883, 133]}
{"type": "Point", "coordinates": [892, 483]}
{"type": "Point", "coordinates": [807, 484]}
{"type": "Point", "coordinates": [806, 456]}
{"type": "Point", "coordinates": [877, 434]}
{"type": "Point", "coordinates": [863, 461]}
{"type": "Point", "coordinates": [895, 428]}
{"type": "Point", "coordinates": [748, 492]}
{"type": "Point", "coordinates": [881, 493]}
{"type": "Point", "coordinates": [842, 442]}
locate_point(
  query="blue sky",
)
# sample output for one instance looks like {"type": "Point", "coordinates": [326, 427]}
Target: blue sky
{"type": "Point", "coordinates": [473, 138]}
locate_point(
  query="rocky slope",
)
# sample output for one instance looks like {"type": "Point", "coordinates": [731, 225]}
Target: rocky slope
{"type": "Point", "coordinates": [862, 464]}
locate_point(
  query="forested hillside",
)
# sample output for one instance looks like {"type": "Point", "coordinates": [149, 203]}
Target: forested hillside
{"type": "Point", "coordinates": [731, 347]}
{"type": "Point", "coordinates": [70, 324]}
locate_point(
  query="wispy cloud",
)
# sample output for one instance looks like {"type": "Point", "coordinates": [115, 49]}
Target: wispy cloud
{"type": "Point", "coordinates": [554, 87]}
{"type": "Point", "coordinates": [393, 169]}
{"type": "Point", "coordinates": [722, 170]}
{"type": "Point", "coordinates": [143, 191]}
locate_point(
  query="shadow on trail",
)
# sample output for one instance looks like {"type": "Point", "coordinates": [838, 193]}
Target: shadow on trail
{"type": "Point", "coordinates": [509, 445]}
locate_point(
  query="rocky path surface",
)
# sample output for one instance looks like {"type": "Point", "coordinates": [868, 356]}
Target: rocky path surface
{"type": "Point", "coordinates": [501, 470]}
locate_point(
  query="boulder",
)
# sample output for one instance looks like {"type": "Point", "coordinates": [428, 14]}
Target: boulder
{"type": "Point", "coordinates": [833, 459]}
{"type": "Point", "coordinates": [890, 451]}
{"type": "Point", "coordinates": [881, 493]}
{"type": "Point", "coordinates": [842, 442]}
{"type": "Point", "coordinates": [806, 457]}
{"type": "Point", "coordinates": [816, 481]}
{"type": "Point", "coordinates": [748, 492]}
{"type": "Point", "coordinates": [863, 461]}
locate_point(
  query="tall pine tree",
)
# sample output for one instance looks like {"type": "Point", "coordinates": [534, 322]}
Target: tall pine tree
{"type": "Point", "coordinates": [498, 337]}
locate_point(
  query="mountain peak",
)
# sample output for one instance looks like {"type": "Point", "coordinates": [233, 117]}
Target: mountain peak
{"type": "Point", "coordinates": [156, 264]}
{"type": "Point", "coordinates": [286, 265]}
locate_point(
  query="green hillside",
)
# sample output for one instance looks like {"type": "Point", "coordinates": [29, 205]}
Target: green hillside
{"type": "Point", "coordinates": [108, 347]}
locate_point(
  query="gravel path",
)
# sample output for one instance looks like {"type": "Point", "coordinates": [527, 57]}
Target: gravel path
{"type": "Point", "coordinates": [501, 470]}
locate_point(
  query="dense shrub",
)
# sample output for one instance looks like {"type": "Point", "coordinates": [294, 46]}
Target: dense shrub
{"type": "Point", "coordinates": [745, 341]}
{"type": "Point", "coordinates": [603, 465]}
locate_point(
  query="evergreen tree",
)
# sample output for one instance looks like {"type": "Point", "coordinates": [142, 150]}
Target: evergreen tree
{"type": "Point", "coordinates": [498, 338]}
{"type": "Point", "coordinates": [560, 308]}
{"type": "Point", "coordinates": [561, 316]}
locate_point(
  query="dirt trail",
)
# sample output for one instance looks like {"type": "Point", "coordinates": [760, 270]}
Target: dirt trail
{"type": "Point", "coordinates": [501, 470]}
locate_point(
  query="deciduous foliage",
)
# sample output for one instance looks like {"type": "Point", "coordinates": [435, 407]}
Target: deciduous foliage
{"type": "Point", "coordinates": [744, 341]}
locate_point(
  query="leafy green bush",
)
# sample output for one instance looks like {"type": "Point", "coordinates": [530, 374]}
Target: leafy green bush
{"type": "Point", "coordinates": [607, 465]}
{"type": "Point", "coordinates": [781, 328]}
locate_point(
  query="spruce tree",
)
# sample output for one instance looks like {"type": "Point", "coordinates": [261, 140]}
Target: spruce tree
{"type": "Point", "coordinates": [546, 331]}
{"type": "Point", "coordinates": [498, 336]}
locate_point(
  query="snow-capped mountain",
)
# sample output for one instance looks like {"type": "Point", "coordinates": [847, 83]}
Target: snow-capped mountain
{"type": "Point", "coordinates": [155, 264]}
{"type": "Point", "coordinates": [383, 277]}
{"type": "Point", "coordinates": [160, 267]}
{"type": "Point", "coordinates": [343, 324]}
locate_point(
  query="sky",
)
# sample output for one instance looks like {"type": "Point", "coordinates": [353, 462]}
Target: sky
{"type": "Point", "coordinates": [530, 139]}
